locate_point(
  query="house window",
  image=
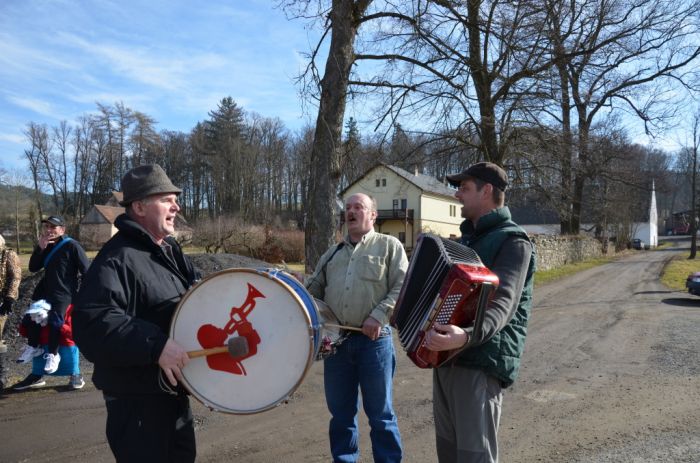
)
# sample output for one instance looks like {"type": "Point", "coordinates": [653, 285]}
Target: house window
{"type": "Point", "coordinates": [383, 182]}
{"type": "Point", "coordinates": [395, 204]}
{"type": "Point", "coordinates": [376, 183]}
{"type": "Point", "coordinates": [402, 237]}
{"type": "Point", "coordinates": [404, 204]}
{"type": "Point", "coordinates": [453, 210]}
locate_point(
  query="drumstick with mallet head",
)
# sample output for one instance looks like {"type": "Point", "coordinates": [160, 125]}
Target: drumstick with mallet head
{"type": "Point", "coordinates": [343, 327]}
{"type": "Point", "coordinates": [236, 347]}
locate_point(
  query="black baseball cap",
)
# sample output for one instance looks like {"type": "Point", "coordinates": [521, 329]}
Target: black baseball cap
{"type": "Point", "coordinates": [485, 171]}
{"type": "Point", "coordinates": [54, 220]}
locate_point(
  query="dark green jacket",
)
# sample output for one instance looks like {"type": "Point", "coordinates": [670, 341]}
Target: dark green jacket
{"type": "Point", "coordinates": [500, 355]}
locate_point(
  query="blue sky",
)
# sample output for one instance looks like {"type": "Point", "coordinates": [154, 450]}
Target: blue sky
{"type": "Point", "coordinates": [173, 60]}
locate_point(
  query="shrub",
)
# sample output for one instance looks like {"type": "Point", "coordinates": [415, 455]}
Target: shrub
{"type": "Point", "coordinates": [293, 245]}
{"type": "Point", "coordinates": [233, 236]}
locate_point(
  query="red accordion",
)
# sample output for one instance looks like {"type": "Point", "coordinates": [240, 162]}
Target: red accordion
{"type": "Point", "coordinates": [446, 283]}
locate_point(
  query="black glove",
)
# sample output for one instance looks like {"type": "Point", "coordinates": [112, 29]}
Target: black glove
{"type": "Point", "coordinates": [6, 306]}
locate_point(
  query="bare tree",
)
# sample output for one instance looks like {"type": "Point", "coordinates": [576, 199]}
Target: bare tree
{"type": "Point", "coordinates": [143, 140]}
{"type": "Point", "coordinates": [109, 152]}
{"type": "Point", "coordinates": [478, 71]}
{"type": "Point", "coordinates": [58, 167]}
{"type": "Point", "coordinates": [299, 166]}
{"type": "Point", "coordinates": [40, 145]}
{"type": "Point", "coordinates": [17, 180]}
{"type": "Point", "coordinates": [268, 141]}
{"type": "Point", "coordinates": [463, 69]}
{"type": "Point", "coordinates": [124, 117]}
{"type": "Point", "coordinates": [693, 192]}
{"type": "Point", "coordinates": [620, 55]}
{"type": "Point", "coordinates": [343, 19]}
{"type": "Point", "coordinates": [83, 165]}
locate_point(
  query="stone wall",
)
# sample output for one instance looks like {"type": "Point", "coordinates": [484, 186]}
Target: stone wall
{"type": "Point", "coordinates": [554, 251]}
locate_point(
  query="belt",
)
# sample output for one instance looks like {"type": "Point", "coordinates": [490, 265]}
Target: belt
{"type": "Point", "coordinates": [386, 331]}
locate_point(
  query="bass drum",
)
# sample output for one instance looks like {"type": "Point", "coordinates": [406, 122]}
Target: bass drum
{"type": "Point", "coordinates": [283, 333]}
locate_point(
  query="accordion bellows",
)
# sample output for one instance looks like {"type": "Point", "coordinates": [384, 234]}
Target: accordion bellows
{"type": "Point", "coordinates": [446, 283]}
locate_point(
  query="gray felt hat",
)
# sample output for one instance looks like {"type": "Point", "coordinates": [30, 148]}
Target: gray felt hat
{"type": "Point", "coordinates": [146, 180]}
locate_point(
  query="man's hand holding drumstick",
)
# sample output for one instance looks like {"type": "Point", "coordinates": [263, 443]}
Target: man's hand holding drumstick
{"type": "Point", "coordinates": [172, 360]}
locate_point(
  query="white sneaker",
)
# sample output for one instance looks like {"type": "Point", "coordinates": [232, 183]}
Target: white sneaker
{"type": "Point", "coordinates": [52, 361]}
{"type": "Point", "coordinates": [29, 353]}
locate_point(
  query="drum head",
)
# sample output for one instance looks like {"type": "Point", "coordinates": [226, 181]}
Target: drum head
{"type": "Point", "coordinates": [254, 304]}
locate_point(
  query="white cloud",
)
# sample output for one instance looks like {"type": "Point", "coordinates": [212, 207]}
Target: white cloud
{"type": "Point", "coordinates": [171, 60]}
{"type": "Point", "coordinates": [36, 105]}
{"type": "Point", "coordinates": [20, 60]}
{"type": "Point", "coordinates": [12, 138]}
{"type": "Point", "coordinates": [126, 61]}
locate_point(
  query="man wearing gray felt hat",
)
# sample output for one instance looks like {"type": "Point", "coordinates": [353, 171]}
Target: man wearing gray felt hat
{"type": "Point", "coordinates": [121, 323]}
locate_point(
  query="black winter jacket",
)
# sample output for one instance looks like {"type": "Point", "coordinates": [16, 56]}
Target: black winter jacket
{"type": "Point", "coordinates": [122, 314]}
{"type": "Point", "coordinates": [61, 279]}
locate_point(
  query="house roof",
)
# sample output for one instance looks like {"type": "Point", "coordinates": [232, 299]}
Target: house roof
{"type": "Point", "coordinates": [118, 195]}
{"type": "Point", "coordinates": [110, 212]}
{"type": "Point", "coordinates": [425, 182]}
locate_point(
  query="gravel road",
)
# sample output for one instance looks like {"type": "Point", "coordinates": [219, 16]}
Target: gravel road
{"type": "Point", "coordinates": [610, 374]}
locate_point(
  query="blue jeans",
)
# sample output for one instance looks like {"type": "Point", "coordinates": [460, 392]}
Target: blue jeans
{"type": "Point", "coordinates": [361, 364]}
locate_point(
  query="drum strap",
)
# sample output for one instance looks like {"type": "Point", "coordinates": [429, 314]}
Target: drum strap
{"type": "Point", "coordinates": [338, 247]}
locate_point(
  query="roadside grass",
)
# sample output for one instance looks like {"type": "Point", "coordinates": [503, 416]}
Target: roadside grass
{"type": "Point", "coordinates": [296, 267]}
{"type": "Point", "coordinates": [545, 276]}
{"type": "Point", "coordinates": [24, 262]}
{"type": "Point", "coordinates": [677, 270]}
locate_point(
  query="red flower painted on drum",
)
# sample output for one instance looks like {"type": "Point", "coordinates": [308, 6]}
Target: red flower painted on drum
{"type": "Point", "coordinates": [212, 336]}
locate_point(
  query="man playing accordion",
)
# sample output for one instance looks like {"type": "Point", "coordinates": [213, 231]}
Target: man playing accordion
{"type": "Point", "coordinates": [467, 391]}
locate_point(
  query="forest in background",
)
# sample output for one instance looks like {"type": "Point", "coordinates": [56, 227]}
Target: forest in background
{"type": "Point", "coordinates": [253, 169]}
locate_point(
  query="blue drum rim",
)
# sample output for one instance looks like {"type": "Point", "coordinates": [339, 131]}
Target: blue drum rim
{"type": "Point", "coordinates": [306, 298]}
